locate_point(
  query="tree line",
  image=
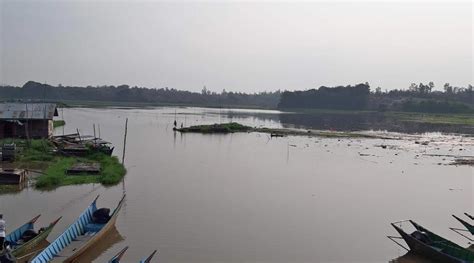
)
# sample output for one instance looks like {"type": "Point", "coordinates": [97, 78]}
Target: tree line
{"type": "Point", "coordinates": [416, 97]}
{"type": "Point", "coordinates": [124, 93]}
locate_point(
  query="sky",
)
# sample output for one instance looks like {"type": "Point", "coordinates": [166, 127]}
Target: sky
{"type": "Point", "coordinates": [249, 46]}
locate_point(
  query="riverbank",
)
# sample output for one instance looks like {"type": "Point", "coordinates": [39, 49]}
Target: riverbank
{"type": "Point", "coordinates": [40, 155]}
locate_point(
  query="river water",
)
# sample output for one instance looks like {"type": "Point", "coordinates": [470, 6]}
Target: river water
{"type": "Point", "coordinates": [245, 197]}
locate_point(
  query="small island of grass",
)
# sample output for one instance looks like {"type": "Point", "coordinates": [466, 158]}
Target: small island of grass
{"type": "Point", "coordinates": [41, 155]}
{"type": "Point", "coordinates": [230, 127]}
{"type": "Point", "coordinates": [234, 127]}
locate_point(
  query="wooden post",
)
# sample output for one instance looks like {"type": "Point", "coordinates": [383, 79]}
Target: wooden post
{"type": "Point", "coordinates": [124, 140]}
{"type": "Point", "coordinates": [98, 126]}
{"type": "Point", "coordinates": [78, 134]}
{"type": "Point", "coordinates": [27, 133]}
{"type": "Point", "coordinates": [62, 117]}
{"type": "Point", "coordinates": [93, 126]}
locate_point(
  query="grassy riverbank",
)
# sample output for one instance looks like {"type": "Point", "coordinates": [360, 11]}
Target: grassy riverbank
{"type": "Point", "coordinates": [40, 155]}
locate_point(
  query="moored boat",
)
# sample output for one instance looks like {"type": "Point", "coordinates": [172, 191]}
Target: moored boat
{"type": "Point", "coordinates": [469, 227]}
{"type": "Point", "coordinates": [24, 238]}
{"type": "Point", "coordinates": [79, 236]}
{"type": "Point", "coordinates": [426, 243]}
{"type": "Point", "coordinates": [148, 259]}
{"type": "Point", "coordinates": [116, 258]}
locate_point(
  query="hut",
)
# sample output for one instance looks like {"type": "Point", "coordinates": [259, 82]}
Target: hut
{"type": "Point", "coordinates": [23, 120]}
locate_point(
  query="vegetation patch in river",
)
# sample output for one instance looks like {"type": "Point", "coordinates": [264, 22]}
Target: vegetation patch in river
{"type": "Point", "coordinates": [278, 132]}
{"type": "Point", "coordinates": [40, 153]}
{"type": "Point", "coordinates": [217, 128]}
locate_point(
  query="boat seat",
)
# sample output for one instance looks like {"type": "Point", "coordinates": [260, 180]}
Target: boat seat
{"type": "Point", "coordinates": [93, 227]}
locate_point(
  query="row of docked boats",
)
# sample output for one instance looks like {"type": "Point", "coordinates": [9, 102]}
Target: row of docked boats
{"type": "Point", "coordinates": [430, 245]}
{"type": "Point", "coordinates": [76, 144]}
{"type": "Point", "coordinates": [83, 234]}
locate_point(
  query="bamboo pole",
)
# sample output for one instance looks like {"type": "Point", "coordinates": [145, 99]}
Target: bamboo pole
{"type": "Point", "coordinates": [124, 140]}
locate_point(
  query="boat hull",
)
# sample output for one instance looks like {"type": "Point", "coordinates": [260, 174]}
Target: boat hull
{"type": "Point", "coordinates": [97, 237]}
{"type": "Point", "coordinates": [425, 250]}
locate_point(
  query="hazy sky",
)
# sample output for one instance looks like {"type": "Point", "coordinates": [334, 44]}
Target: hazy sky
{"type": "Point", "coordinates": [239, 46]}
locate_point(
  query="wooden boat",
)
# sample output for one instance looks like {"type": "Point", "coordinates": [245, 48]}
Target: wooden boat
{"type": "Point", "coordinates": [116, 258]}
{"type": "Point", "coordinates": [148, 259]}
{"type": "Point", "coordinates": [426, 243]}
{"type": "Point", "coordinates": [470, 216]}
{"type": "Point", "coordinates": [17, 244]}
{"type": "Point", "coordinates": [469, 227]}
{"type": "Point", "coordinates": [78, 237]}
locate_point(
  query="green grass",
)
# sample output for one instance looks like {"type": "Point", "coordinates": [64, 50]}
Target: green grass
{"type": "Point", "coordinates": [39, 153]}
{"type": "Point", "coordinates": [456, 119]}
{"type": "Point", "coordinates": [217, 128]}
{"type": "Point", "coordinates": [237, 127]}
{"type": "Point", "coordinates": [58, 123]}
{"type": "Point", "coordinates": [55, 175]}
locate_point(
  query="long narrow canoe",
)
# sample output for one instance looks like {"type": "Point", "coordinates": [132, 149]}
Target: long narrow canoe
{"type": "Point", "coordinates": [470, 216]}
{"type": "Point", "coordinates": [468, 226]}
{"type": "Point", "coordinates": [148, 259]}
{"type": "Point", "coordinates": [116, 258]}
{"type": "Point", "coordinates": [78, 237]}
{"type": "Point", "coordinates": [19, 248]}
{"type": "Point", "coordinates": [428, 244]}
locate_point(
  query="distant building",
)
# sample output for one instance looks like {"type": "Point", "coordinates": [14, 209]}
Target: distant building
{"type": "Point", "coordinates": [22, 120]}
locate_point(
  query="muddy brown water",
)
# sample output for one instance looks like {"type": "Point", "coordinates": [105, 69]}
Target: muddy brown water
{"type": "Point", "coordinates": [245, 197]}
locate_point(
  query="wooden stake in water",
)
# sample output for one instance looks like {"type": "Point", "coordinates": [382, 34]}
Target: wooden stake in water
{"type": "Point", "coordinates": [78, 134]}
{"type": "Point", "coordinates": [95, 138]}
{"type": "Point", "coordinates": [124, 140]}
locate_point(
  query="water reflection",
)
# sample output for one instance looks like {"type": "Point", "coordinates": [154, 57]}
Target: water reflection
{"type": "Point", "coordinates": [105, 243]}
{"type": "Point", "coordinates": [246, 198]}
{"type": "Point", "coordinates": [411, 258]}
{"type": "Point", "coordinates": [351, 122]}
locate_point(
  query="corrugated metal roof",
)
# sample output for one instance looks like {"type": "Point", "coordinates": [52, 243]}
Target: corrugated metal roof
{"type": "Point", "coordinates": [20, 111]}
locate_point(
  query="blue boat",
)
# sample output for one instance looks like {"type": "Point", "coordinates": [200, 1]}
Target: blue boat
{"type": "Point", "coordinates": [116, 258]}
{"type": "Point", "coordinates": [24, 238]}
{"type": "Point", "coordinates": [148, 259]}
{"type": "Point", "coordinates": [78, 237]}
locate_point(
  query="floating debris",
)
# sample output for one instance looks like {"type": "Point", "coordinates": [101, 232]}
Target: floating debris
{"type": "Point", "coordinates": [463, 161]}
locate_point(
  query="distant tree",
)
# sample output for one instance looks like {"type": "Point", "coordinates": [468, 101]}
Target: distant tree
{"type": "Point", "coordinates": [378, 90]}
{"type": "Point", "coordinates": [431, 86]}
{"type": "Point", "coordinates": [413, 87]}
{"type": "Point", "coordinates": [448, 88]}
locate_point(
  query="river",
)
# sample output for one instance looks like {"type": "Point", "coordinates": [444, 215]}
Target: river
{"type": "Point", "coordinates": [246, 197]}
